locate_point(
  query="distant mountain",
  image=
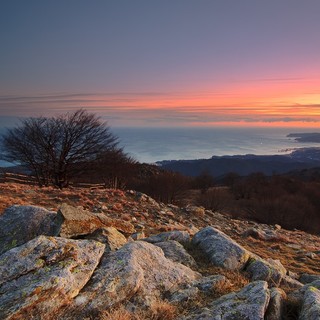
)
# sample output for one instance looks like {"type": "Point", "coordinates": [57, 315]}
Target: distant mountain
{"type": "Point", "coordinates": [243, 165]}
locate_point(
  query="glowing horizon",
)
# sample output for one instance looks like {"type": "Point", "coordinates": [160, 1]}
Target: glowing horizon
{"type": "Point", "coordinates": [163, 63]}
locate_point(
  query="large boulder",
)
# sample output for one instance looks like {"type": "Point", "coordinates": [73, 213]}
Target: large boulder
{"type": "Point", "coordinates": [220, 249]}
{"type": "Point", "coordinates": [20, 224]}
{"type": "Point", "coordinates": [174, 251]}
{"type": "Point", "coordinates": [78, 221]}
{"type": "Point", "coordinates": [311, 305]}
{"type": "Point", "coordinates": [39, 277]}
{"type": "Point", "coordinates": [250, 303]}
{"type": "Point", "coordinates": [138, 269]}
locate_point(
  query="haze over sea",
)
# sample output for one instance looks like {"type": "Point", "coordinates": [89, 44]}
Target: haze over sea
{"type": "Point", "coordinates": [155, 144]}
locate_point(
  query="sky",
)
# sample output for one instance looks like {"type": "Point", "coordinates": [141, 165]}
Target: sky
{"type": "Point", "coordinates": [162, 62]}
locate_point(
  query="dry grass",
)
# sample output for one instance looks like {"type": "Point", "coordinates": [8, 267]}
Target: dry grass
{"type": "Point", "coordinates": [159, 310]}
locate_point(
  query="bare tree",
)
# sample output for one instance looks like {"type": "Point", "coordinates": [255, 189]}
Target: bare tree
{"type": "Point", "coordinates": [57, 148]}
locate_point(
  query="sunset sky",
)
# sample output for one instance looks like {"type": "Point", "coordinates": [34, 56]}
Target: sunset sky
{"type": "Point", "coordinates": [163, 62]}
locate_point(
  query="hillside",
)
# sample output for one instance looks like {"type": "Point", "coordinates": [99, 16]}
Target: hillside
{"type": "Point", "coordinates": [302, 158]}
{"type": "Point", "coordinates": [206, 280]}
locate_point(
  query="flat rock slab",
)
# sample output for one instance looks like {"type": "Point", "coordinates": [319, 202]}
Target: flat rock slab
{"type": "Point", "coordinates": [78, 221]}
{"type": "Point", "coordinates": [20, 224]}
{"type": "Point", "coordinates": [40, 276]}
{"type": "Point", "coordinates": [138, 269]}
{"type": "Point", "coordinates": [250, 304]}
{"type": "Point", "coordinates": [220, 249]}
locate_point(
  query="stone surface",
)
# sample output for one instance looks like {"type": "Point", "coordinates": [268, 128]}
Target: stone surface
{"type": "Point", "coordinates": [180, 236]}
{"type": "Point", "coordinates": [110, 236]}
{"type": "Point", "coordinates": [311, 305]}
{"type": "Point", "coordinates": [256, 233]}
{"type": "Point", "coordinates": [298, 294]}
{"type": "Point", "coordinates": [308, 278]}
{"type": "Point", "coordinates": [268, 270]}
{"type": "Point", "coordinates": [38, 277]}
{"type": "Point", "coordinates": [220, 249]}
{"type": "Point", "coordinates": [174, 251]}
{"type": "Point", "coordinates": [138, 269]}
{"type": "Point", "coordinates": [210, 284]}
{"type": "Point", "coordinates": [78, 221]}
{"type": "Point", "coordinates": [250, 304]}
{"type": "Point", "coordinates": [19, 224]}
{"type": "Point", "coordinates": [275, 307]}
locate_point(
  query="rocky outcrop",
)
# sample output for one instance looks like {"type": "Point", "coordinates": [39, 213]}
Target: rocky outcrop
{"type": "Point", "coordinates": [19, 224]}
{"type": "Point", "coordinates": [83, 266]}
{"type": "Point", "coordinates": [311, 305]}
{"type": "Point", "coordinates": [78, 221]}
{"type": "Point", "coordinates": [138, 269]}
{"type": "Point", "coordinates": [250, 303]}
{"type": "Point", "coordinates": [220, 249]}
{"type": "Point", "coordinates": [37, 278]}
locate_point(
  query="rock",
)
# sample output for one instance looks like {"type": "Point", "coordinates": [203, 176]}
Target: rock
{"type": "Point", "coordinates": [311, 305]}
{"type": "Point", "coordinates": [180, 236]}
{"type": "Point", "coordinates": [195, 211]}
{"type": "Point", "coordinates": [269, 270]}
{"type": "Point", "coordinates": [138, 269]}
{"type": "Point", "coordinates": [20, 224]}
{"type": "Point", "coordinates": [110, 236]}
{"type": "Point", "coordinates": [78, 221]}
{"type": "Point", "coordinates": [291, 282]}
{"type": "Point", "coordinates": [308, 278]}
{"type": "Point", "coordinates": [138, 236]}
{"type": "Point", "coordinates": [250, 303]}
{"type": "Point", "coordinates": [184, 295]}
{"type": "Point", "coordinates": [211, 283]}
{"type": "Point", "coordinates": [255, 233]}
{"type": "Point", "coordinates": [220, 249]}
{"type": "Point", "coordinates": [174, 251]}
{"type": "Point", "coordinates": [40, 276]}
{"type": "Point", "coordinates": [276, 304]}
{"type": "Point", "coordinates": [297, 295]}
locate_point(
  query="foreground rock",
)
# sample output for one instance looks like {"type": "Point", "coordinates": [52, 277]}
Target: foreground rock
{"type": "Point", "coordinates": [311, 305]}
{"type": "Point", "coordinates": [250, 303]}
{"type": "Point", "coordinates": [220, 249]}
{"type": "Point", "coordinates": [78, 221]}
{"type": "Point", "coordinates": [19, 224]}
{"type": "Point", "coordinates": [40, 276]}
{"type": "Point", "coordinates": [138, 269]}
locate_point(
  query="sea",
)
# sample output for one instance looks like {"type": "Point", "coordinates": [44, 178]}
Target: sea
{"type": "Point", "coordinates": [149, 145]}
